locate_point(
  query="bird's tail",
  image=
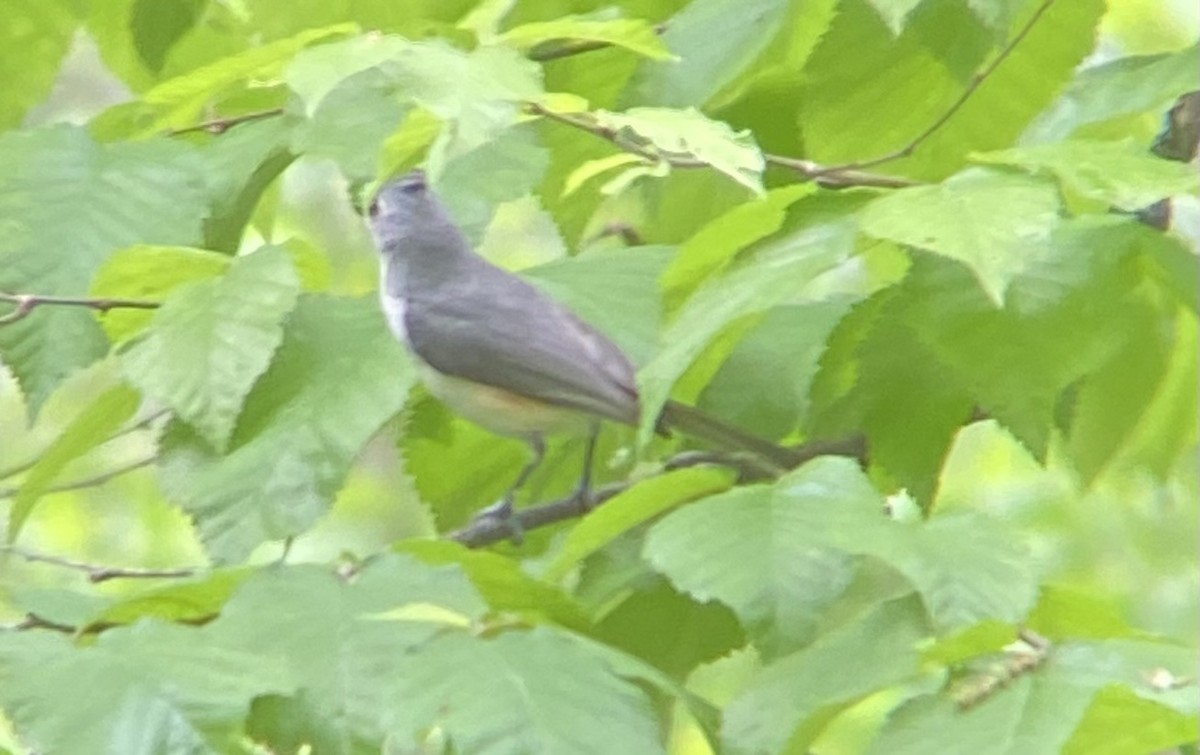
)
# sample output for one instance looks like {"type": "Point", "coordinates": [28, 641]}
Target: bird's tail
{"type": "Point", "coordinates": [693, 422]}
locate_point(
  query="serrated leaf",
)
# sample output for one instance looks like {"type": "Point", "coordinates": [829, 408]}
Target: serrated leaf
{"type": "Point", "coordinates": [844, 665]}
{"type": "Point", "coordinates": [776, 273]}
{"type": "Point", "coordinates": [634, 34]}
{"type": "Point", "coordinates": [149, 192]}
{"type": "Point", "coordinates": [799, 532]}
{"type": "Point", "coordinates": [89, 429]}
{"type": "Point", "coordinates": [984, 219]}
{"type": "Point", "coordinates": [351, 122]}
{"type": "Point", "coordinates": [716, 245]}
{"type": "Point", "coordinates": [210, 341]}
{"type": "Point", "coordinates": [1117, 173]}
{"type": "Point", "coordinates": [635, 506]}
{"type": "Point", "coordinates": [689, 135]}
{"type": "Point", "coordinates": [149, 273]}
{"type": "Point", "coordinates": [336, 378]}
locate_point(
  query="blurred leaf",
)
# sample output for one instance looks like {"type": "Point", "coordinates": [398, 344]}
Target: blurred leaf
{"type": "Point", "coordinates": [984, 219]}
{"type": "Point", "coordinates": [1121, 723]}
{"type": "Point", "coordinates": [783, 705]}
{"type": "Point", "coordinates": [714, 40]}
{"type": "Point", "coordinates": [1117, 173]}
{"type": "Point", "coordinates": [139, 192]}
{"type": "Point", "coordinates": [337, 377]}
{"type": "Point", "coordinates": [632, 34]}
{"type": "Point", "coordinates": [1121, 87]}
{"type": "Point", "coordinates": [149, 273]}
{"type": "Point", "coordinates": [894, 12]}
{"type": "Point", "coordinates": [195, 600]}
{"type": "Point", "coordinates": [34, 37]}
{"type": "Point", "coordinates": [158, 24]}
{"type": "Point", "coordinates": [147, 689]}
{"type": "Point", "coordinates": [179, 100]}
{"type": "Point", "coordinates": [351, 123]}
{"type": "Point", "coordinates": [211, 340]}
{"type": "Point", "coordinates": [89, 429]}
{"type": "Point", "coordinates": [690, 136]}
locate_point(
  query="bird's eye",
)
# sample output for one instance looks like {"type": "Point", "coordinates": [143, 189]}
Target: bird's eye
{"type": "Point", "coordinates": [374, 209]}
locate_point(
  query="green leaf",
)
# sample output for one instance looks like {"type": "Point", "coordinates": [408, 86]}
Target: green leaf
{"type": "Point", "coordinates": [89, 429]}
{"type": "Point", "coordinates": [178, 101]}
{"type": "Point", "coordinates": [351, 122]}
{"type": "Point", "coordinates": [986, 220]}
{"type": "Point", "coordinates": [894, 12]}
{"type": "Point", "coordinates": [149, 273]}
{"type": "Point", "coordinates": [193, 601]}
{"type": "Point", "coordinates": [715, 41]}
{"type": "Point", "coordinates": [777, 272]}
{"type": "Point", "coordinates": [143, 690]}
{"type": "Point", "coordinates": [1121, 723]}
{"type": "Point", "coordinates": [337, 377]}
{"type": "Point", "coordinates": [142, 192]}
{"type": "Point", "coordinates": [1122, 87]}
{"type": "Point", "coordinates": [786, 704]}
{"type": "Point", "coordinates": [510, 695]}
{"type": "Point", "coordinates": [868, 93]}
{"type": "Point", "coordinates": [34, 37]}
{"type": "Point", "coordinates": [210, 342]}
{"type": "Point", "coordinates": [715, 246]}
{"type": "Point", "coordinates": [688, 135]}
{"type": "Point", "coordinates": [1116, 173]}
{"type": "Point", "coordinates": [965, 567]}
{"type": "Point", "coordinates": [631, 508]}
{"type": "Point", "coordinates": [633, 34]}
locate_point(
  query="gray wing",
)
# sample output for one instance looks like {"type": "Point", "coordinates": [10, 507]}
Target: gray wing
{"type": "Point", "coordinates": [492, 327]}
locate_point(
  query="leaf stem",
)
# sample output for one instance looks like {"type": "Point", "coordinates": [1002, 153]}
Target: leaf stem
{"type": "Point", "coordinates": [26, 303]}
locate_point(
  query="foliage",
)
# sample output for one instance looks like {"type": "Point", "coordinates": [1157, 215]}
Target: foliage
{"type": "Point", "coordinates": [915, 226]}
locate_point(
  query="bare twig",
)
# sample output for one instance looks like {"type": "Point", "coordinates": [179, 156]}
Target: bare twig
{"type": "Point", "coordinates": [217, 126]}
{"type": "Point", "coordinates": [976, 81]}
{"type": "Point", "coordinates": [486, 530]}
{"type": "Point", "coordinates": [88, 482]}
{"type": "Point", "coordinates": [97, 573]}
{"type": "Point", "coordinates": [140, 424]}
{"type": "Point", "coordinates": [26, 303]}
{"type": "Point", "coordinates": [1020, 659]}
{"type": "Point", "coordinates": [805, 168]}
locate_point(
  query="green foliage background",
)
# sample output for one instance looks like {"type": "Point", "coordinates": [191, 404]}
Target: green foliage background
{"type": "Point", "coordinates": [1014, 570]}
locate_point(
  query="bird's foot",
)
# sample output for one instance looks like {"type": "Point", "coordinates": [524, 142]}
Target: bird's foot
{"type": "Point", "coordinates": [503, 514]}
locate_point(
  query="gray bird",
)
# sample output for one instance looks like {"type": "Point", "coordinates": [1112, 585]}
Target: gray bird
{"type": "Point", "coordinates": [501, 352]}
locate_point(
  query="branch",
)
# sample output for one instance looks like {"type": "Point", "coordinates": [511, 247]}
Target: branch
{"type": "Point", "coordinates": [976, 81]}
{"type": "Point", "coordinates": [805, 168]}
{"type": "Point", "coordinates": [96, 573]}
{"type": "Point", "coordinates": [486, 530]}
{"type": "Point", "coordinates": [218, 126]}
{"type": "Point", "coordinates": [26, 303]}
{"type": "Point", "coordinates": [1023, 657]}
{"type": "Point", "coordinates": [87, 482]}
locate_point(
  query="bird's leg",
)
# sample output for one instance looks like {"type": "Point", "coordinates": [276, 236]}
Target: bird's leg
{"type": "Point", "coordinates": [503, 510]}
{"type": "Point", "coordinates": [583, 491]}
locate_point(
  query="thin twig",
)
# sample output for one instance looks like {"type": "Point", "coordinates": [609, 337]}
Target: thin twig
{"type": "Point", "coordinates": [217, 126]}
{"type": "Point", "coordinates": [559, 49]}
{"type": "Point", "coordinates": [976, 81]}
{"type": "Point", "coordinates": [486, 530]}
{"type": "Point", "coordinates": [805, 168]}
{"type": "Point", "coordinates": [95, 572]}
{"type": "Point", "coordinates": [87, 482]}
{"type": "Point", "coordinates": [26, 303]}
{"type": "Point", "coordinates": [140, 424]}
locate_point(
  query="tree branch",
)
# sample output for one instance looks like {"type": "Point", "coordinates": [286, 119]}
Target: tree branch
{"type": "Point", "coordinates": [87, 482]}
{"type": "Point", "coordinates": [26, 303]}
{"type": "Point", "coordinates": [96, 573]}
{"type": "Point", "coordinates": [218, 126]}
{"type": "Point", "coordinates": [805, 168]}
{"type": "Point", "coordinates": [976, 81]}
{"type": "Point", "coordinates": [486, 530]}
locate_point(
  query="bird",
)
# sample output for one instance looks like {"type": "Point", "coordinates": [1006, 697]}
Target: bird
{"type": "Point", "coordinates": [503, 353]}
